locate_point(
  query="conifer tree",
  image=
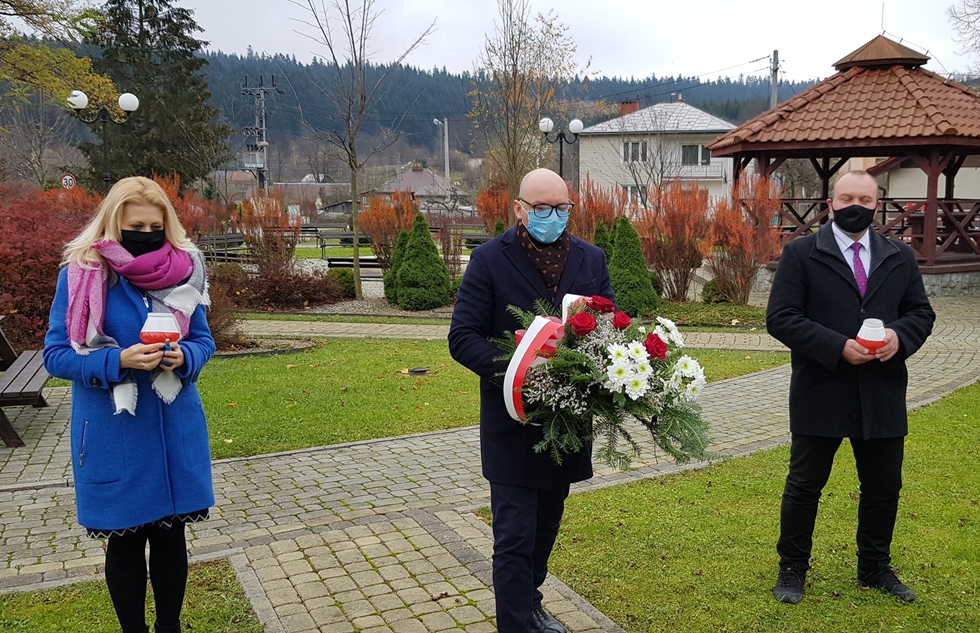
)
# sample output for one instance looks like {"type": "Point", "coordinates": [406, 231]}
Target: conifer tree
{"type": "Point", "coordinates": [422, 279]}
{"type": "Point", "coordinates": [149, 49]}
{"type": "Point", "coordinates": [499, 228]}
{"type": "Point", "coordinates": [390, 278]}
{"type": "Point", "coordinates": [628, 271]}
{"type": "Point", "coordinates": [603, 239]}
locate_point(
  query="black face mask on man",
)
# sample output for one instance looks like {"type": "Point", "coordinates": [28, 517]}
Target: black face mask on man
{"type": "Point", "coordinates": [143, 242]}
{"type": "Point", "coordinates": [853, 218]}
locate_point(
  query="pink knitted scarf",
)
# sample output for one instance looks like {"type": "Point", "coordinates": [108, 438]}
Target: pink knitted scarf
{"type": "Point", "coordinates": [161, 269]}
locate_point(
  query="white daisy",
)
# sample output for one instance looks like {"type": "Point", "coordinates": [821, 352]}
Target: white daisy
{"type": "Point", "coordinates": [693, 390]}
{"type": "Point", "coordinates": [618, 353]}
{"type": "Point", "coordinates": [643, 369]}
{"type": "Point", "coordinates": [636, 387]}
{"type": "Point", "coordinates": [687, 366]}
{"type": "Point", "coordinates": [619, 373]}
{"type": "Point", "coordinates": [642, 329]}
{"type": "Point", "coordinates": [637, 352]}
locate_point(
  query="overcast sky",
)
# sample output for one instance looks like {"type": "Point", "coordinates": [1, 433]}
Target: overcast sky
{"type": "Point", "coordinates": [623, 37]}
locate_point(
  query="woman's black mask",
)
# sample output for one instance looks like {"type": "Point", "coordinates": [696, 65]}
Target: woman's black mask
{"type": "Point", "coordinates": [143, 242]}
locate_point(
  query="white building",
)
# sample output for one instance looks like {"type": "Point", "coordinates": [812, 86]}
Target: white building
{"type": "Point", "coordinates": [654, 146]}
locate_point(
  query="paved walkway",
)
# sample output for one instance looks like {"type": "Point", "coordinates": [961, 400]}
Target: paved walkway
{"type": "Point", "coordinates": [380, 535]}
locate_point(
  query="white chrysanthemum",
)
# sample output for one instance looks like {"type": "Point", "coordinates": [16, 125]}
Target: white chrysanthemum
{"type": "Point", "coordinates": [643, 369]}
{"type": "Point", "coordinates": [676, 380]}
{"type": "Point", "coordinates": [641, 329]}
{"type": "Point", "coordinates": [694, 390]}
{"type": "Point", "coordinates": [687, 366]}
{"type": "Point", "coordinates": [619, 373]}
{"type": "Point", "coordinates": [667, 323]}
{"type": "Point", "coordinates": [672, 333]}
{"type": "Point", "coordinates": [618, 353]}
{"type": "Point", "coordinates": [637, 352]}
{"type": "Point", "coordinates": [636, 387]}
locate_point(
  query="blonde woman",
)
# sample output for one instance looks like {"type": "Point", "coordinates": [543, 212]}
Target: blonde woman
{"type": "Point", "coordinates": [139, 442]}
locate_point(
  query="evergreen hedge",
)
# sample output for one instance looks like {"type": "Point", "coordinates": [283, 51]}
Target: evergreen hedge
{"type": "Point", "coordinates": [389, 278]}
{"type": "Point", "coordinates": [628, 271]}
{"type": "Point", "coordinates": [603, 239]}
{"type": "Point", "coordinates": [422, 279]}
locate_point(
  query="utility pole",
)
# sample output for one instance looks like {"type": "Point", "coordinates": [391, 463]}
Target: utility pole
{"type": "Point", "coordinates": [774, 88]}
{"type": "Point", "coordinates": [261, 144]}
{"type": "Point", "coordinates": [445, 136]}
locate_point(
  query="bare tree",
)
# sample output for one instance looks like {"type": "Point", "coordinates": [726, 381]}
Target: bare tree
{"type": "Point", "coordinates": [36, 140]}
{"type": "Point", "coordinates": [518, 74]}
{"type": "Point", "coordinates": [965, 16]}
{"type": "Point", "coordinates": [351, 93]}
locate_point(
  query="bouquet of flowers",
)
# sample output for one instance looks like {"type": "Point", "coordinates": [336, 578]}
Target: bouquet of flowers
{"type": "Point", "coordinates": [584, 378]}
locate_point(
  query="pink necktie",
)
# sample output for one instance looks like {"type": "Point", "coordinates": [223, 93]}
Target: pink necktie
{"type": "Point", "coordinates": [859, 273]}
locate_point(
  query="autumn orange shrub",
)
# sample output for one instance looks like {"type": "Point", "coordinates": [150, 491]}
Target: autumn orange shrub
{"type": "Point", "coordinates": [197, 215]}
{"type": "Point", "coordinates": [492, 205]}
{"type": "Point", "coordinates": [747, 237]}
{"type": "Point", "coordinates": [269, 233]}
{"type": "Point", "coordinates": [676, 236]}
{"type": "Point", "coordinates": [384, 220]}
{"type": "Point", "coordinates": [596, 204]}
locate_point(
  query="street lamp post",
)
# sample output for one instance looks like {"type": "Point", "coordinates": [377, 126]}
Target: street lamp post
{"type": "Point", "coordinates": [128, 102]}
{"type": "Point", "coordinates": [575, 126]}
{"type": "Point", "coordinates": [445, 135]}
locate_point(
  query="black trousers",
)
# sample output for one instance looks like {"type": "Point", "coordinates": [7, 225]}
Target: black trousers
{"type": "Point", "coordinates": [525, 526]}
{"type": "Point", "coordinates": [879, 467]}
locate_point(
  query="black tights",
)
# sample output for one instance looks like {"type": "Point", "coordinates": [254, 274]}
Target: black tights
{"type": "Point", "coordinates": [125, 573]}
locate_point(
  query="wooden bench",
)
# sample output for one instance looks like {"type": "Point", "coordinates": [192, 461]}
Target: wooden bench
{"type": "Point", "coordinates": [224, 247]}
{"type": "Point", "coordinates": [24, 376]}
{"type": "Point", "coordinates": [370, 268]}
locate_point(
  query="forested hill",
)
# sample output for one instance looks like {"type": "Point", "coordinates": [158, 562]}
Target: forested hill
{"type": "Point", "coordinates": [413, 97]}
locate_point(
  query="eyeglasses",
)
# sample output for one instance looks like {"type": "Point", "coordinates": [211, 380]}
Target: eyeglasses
{"type": "Point", "coordinates": [542, 211]}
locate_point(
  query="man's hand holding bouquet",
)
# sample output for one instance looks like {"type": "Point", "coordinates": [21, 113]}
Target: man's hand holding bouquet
{"type": "Point", "coordinates": [583, 378]}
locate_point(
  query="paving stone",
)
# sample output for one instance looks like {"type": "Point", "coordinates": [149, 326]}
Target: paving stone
{"type": "Point", "coordinates": [328, 615]}
{"type": "Point", "coordinates": [438, 621]}
{"type": "Point", "coordinates": [466, 614]}
{"type": "Point", "coordinates": [358, 609]}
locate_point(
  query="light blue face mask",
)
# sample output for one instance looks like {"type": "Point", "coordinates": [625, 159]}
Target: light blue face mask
{"type": "Point", "coordinates": [546, 230]}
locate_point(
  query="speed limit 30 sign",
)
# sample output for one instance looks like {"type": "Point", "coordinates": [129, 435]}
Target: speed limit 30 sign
{"type": "Point", "coordinates": [68, 181]}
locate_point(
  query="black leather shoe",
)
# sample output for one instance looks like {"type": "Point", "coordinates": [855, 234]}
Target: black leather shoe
{"type": "Point", "coordinates": [541, 622]}
{"type": "Point", "coordinates": [886, 580]}
{"type": "Point", "coordinates": [158, 628]}
{"type": "Point", "coordinates": [789, 585]}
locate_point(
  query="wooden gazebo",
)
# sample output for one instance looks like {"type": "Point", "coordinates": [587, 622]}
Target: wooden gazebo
{"type": "Point", "coordinates": [880, 104]}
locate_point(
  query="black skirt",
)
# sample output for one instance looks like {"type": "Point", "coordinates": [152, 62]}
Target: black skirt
{"type": "Point", "coordinates": [164, 524]}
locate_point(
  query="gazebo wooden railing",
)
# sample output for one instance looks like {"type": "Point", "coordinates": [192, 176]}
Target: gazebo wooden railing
{"type": "Point", "coordinates": [951, 243]}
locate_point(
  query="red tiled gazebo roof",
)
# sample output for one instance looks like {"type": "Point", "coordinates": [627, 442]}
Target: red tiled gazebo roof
{"type": "Point", "coordinates": [880, 99]}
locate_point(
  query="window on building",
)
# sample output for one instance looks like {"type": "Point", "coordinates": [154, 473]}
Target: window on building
{"type": "Point", "coordinates": [636, 194]}
{"type": "Point", "coordinates": [689, 154]}
{"type": "Point", "coordinates": [634, 151]}
{"type": "Point", "coordinates": [705, 156]}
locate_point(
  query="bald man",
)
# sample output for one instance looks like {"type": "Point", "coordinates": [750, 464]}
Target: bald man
{"type": "Point", "coordinates": [826, 285]}
{"type": "Point", "coordinates": [536, 259]}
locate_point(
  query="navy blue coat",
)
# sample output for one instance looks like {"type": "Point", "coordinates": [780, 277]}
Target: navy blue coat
{"type": "Point", "coordinates": [500, 273]}
{"type": "Point", "coordinates": [132, 469]}
{"type": "Point", "coordinates": [815, 307]}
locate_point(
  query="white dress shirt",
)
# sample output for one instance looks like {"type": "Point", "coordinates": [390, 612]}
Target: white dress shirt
{"type": "Point", "coordinates": [844, 241]}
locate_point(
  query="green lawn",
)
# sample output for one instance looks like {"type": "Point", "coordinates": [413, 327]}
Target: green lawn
{"type": "Point", "coordinates": [344, 318]}
{"type": "Point", "coordinates": [696, 552]}
{"type": "Point", "coordinates": [358, 389]}
{"type": "Point", "coordinates": [215, 603]}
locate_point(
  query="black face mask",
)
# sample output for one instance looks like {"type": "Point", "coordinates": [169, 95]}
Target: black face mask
{"type": "Point", "coordinates": [143, 242]}
{"type": "Point", "coordinates": [853, 219]}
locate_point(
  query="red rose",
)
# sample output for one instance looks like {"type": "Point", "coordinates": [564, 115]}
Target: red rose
{"type": "Point", "coordinates": [600, 304]}
{"type": "Point", "coordinates": [655, 346]}
{"type": "Point", "coordinates": [621, 321]}
{"type": "Point", "coordinates": [582, 323]}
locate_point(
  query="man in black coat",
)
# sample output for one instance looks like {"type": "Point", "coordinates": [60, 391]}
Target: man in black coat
{"type": "Point", "coordinates": [536, 259]}
{"type": "Point", "coordinates": [825, 286]}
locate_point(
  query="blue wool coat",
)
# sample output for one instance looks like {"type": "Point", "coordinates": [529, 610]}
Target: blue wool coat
{"type": "Point", "coordinates": [500, 273]}
{"type": "Point", "coordinates": [132, 469]}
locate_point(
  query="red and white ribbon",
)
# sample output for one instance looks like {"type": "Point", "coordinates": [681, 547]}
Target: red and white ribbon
{"type": "Point", "coordinates": [542, 334]}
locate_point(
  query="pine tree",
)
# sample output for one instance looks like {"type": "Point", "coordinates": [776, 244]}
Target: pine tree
{"type": "Point", "coordinates": [390, 278]}
{"type": "Point", "coordinates": [499, 228]}
{"type": "Point", "coordinates": [422, 279]}
{"type": "Point", "coordinates": [148, 48]}
{"type": "Point", "coordinates": [603, 240]}
{"type": "Point", "coordinates": [628, 271]}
